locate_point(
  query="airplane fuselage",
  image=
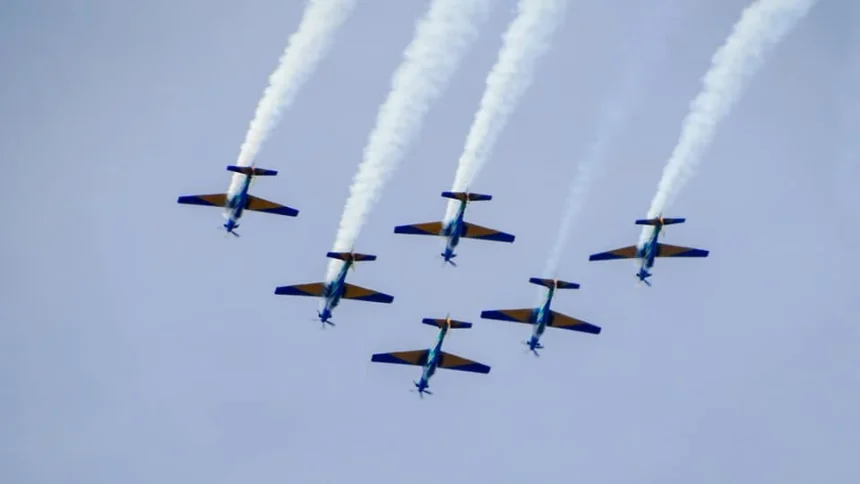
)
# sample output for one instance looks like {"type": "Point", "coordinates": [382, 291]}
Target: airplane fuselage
{"type": "Point", "coordinates": [647, 253]}
{"type": "Point", "coordinates": [333, 292]}
{"type": "Point", "coordinates": [452, 232]}
{"type": "Point", "coordinates": [432, 361]}
{"type": "Point", "coordinates": [542, 318]}
{"type": "Point", "coordinates": [236, 205]}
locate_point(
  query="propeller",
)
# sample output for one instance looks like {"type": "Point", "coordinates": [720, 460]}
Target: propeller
{"type": "Point", "coordinates": [529, 349]}
{"type": "Point", "coordinates": [233, 233]}
{"type": "Point", "coordinates": [324, 323]}
{"type": "Point", "coordinates": [447, 261]}
{"type": "Point", "coordinates": [420, 392]}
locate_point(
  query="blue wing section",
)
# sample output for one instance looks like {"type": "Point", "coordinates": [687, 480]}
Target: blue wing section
{"type": "Point", "coordinates": [454, 362]}
{"type": "Point", "coordinates": [526, 315]}
{"type": "Point", "coordinates": [628, 252]}
{"type": "Point", "coordinates": [563, 321]}
{"type": "Point", "coordinates": [258, 204]}
{"type": "Point", "coordinates": [314, 289]}
{"type": "Point", "coordinates": [351, 291]}
{"type": "Point", "coordinates": [666, 250]}
{"type": "Point", "coordinates": [472, 231]}
{"type": "Point", "coordinates": [213, 200]}
{"type": "Point", "coordinates": [414, 357]}
{"type": "Point", "coordinates": [429, 228]}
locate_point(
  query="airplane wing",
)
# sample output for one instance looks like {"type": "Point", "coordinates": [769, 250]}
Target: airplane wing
{"type": "Point", "coordinates": [351, 291]}
{"type": "Point", "coordinates": [666, 250]}
{"type": "Point", "coordinates": [628, 252]}
{"type": "Point", "coordinates": [454, 362]}
{"type": "Point", "coordinates": [429, 228]}
{"type": "Point", "coordinates": [477, 232]}
{"type": "Point", "coordinates": [213, 200]}
{"type": "Point", "coordinates": [564, 321]}
{"type": "Point", "coordinates": [313, 289]}
{"type": "Point", "coordinates": [513, 315]}
{"type": "Point", "coordinates": [414, 357]}
{"type": "Point", "coordinates": [257, 204]}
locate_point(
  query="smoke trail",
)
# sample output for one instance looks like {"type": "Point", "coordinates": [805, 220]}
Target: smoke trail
{"type": "Point", "coordinates": [441, 39]}
{"type": "Point", "coordinates": [611, 119]}
{"type": "Point", "coordinates": [303, 52]}
{"type": "Point", "coordinates": [762, 25]}
{"type": "Point", "coordinates": [613, 116]}
{"type": "Point", "coordinates": [525, 41]}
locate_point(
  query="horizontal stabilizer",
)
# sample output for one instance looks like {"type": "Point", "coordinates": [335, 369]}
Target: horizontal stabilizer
{"type": "Point", "coordinates": [441, 322]}
{"type": "Point", "coordinates": [351, 256]}
{"type": "Point", "coordinates": [660, 221]}
{"type": "Point", "coordinates": [212, 200]}
{"type": "Point", "coordinates": [467, 197]}
{"type": "Point", "coordinates": [556, 283]}
{"type": "Point", "coordinates": [251, 170]}
{"type": "Point", "coordinates": [258, 204]}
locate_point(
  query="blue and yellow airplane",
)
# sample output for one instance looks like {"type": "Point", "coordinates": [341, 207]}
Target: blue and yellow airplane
{"type": "Point", "coordinates": [433, 358]}
{"type": "Point", "coordinates": [457, 227]}
{"type": "Point", "coordinates": [332, 292]}
{"type": "Point", "coordinates": [651, 249]}
{"type": "Point", "coordinates": [543, 316]}
{"type": "Point", "coordinates": [241, 200]}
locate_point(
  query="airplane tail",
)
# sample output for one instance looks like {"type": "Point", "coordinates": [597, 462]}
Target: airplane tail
{"type": "Point", "coordinates": [441, 322]}
{"type": "Point", "coordinates": [557, 283]}
{"type": "Point", "coordinates": [251, 170]}
{"type": "Point", "coordinates": [660, 221]}
{"type": "Point", "coordinates": [351, 256]}
{"type": "Point", "coordinates": [467, 197]}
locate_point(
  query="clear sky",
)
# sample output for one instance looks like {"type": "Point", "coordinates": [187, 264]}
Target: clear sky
{"type": "Point", "coordinates": [141, 345]}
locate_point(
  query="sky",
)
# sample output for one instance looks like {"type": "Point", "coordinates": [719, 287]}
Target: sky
{"type": "Point", "coordinates": [142, 345]}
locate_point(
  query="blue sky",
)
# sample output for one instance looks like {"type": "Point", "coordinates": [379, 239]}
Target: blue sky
{"type": "Point", "coordinates": [140, 345]}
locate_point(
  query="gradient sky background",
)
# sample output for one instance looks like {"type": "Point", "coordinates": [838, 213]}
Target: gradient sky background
{"type": "Point", "coordinates": [140, 345]}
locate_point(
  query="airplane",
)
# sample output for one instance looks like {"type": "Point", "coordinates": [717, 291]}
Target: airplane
{"type": "Point", "coordinates": [433, 358]}
{"type": "Point", "coordinates": [543, 317]}
{"type": "Point", "coordinates": [456, 227]}
{"type": "Point", "coordinates": [332, 292]}
{"type": "Point", "coordinates": [651, 249]}
{"type": "Point", "coordinates": [237, 203]}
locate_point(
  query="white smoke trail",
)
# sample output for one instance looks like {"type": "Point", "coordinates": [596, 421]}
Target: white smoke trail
{"type": "Point", "coordinates": [304, 50]}
{"type": "Point", "coordinates": [442, 38]}
{"type": "Point", "coordinates": [761, 26]}
{"type": "Point", "coordinates": [611, 119]}
{"type": "Point", "coordinates": [523, 43]}
{"type": "Point", "coordinates": [640, 61]}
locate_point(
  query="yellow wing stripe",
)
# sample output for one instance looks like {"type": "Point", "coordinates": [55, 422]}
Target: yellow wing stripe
{"type": "Point", "coordinates": [259, 204]}
{"type": "Point", "coordinates": [311, 289]}
{"type": "Point", "coordinates": [513, 315]}
{"type": "Point", "coordinates": [414, 357]}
